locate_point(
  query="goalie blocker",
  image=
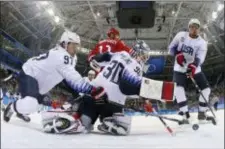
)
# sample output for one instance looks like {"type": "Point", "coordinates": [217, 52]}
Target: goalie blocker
{"type": "Point", "coordinates": [159, 90]}
{"type": "Point", "coordinates": [148, 88]}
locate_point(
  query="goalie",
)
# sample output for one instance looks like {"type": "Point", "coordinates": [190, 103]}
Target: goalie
{"type": "Point", "coordinates": [120, 78]}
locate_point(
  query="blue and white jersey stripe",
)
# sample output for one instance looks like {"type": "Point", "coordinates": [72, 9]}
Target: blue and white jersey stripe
{"type": "Point", "coordinates": [80, 86]}
{"type": "Point", "coordinates": [131, 78]}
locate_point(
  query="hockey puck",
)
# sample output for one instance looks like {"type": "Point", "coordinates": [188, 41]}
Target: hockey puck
{"type": "Point", "coordinates": [195, 127]}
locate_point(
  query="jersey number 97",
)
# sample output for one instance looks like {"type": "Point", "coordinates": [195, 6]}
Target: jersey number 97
{"type": "Point", "coordinates": [68, 60]}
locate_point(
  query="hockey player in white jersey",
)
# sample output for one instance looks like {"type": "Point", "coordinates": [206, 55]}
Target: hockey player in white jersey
{"type": "Point", "coordinates": [110, 110]}
{"type": "Point", "coordinates": [190, 50]}
{"type": "Point", "coordinates": [120, 78]}
{"type": "Point", "coordinates": [40, 74]}
{"type": "Point", "coordinates": [89, 110]}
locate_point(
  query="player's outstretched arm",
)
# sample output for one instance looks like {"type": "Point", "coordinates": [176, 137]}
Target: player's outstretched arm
{"type": "Point", "coordinates": [105, 57]}
{"type": "Point", "coordinates": [77, 83]}
{"type": "Point", "coordinates": [99, 58]}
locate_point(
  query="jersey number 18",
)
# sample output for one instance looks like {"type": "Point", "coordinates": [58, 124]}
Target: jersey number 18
{"type": "Point", "coordinates": [113, 71]}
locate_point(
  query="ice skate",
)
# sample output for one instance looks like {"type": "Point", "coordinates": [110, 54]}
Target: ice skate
{"type": "Point", "coordinates": [8, 112]}
{"type": "Point", "coordinates": [203, 117]}
{"type": "Point", "coordinates": [23, 117]}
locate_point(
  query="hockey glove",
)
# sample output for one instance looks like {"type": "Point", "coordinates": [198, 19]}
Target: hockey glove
{"type": "Point", "coordinates": [97, 92]}
{"type": "Point", "coordinates": [191, 69]}
{"type": "Point", "coordinates": [180, 59]}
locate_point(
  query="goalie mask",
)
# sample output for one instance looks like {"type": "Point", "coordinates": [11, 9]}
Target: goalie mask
{"type": "Point", "coordinates": [141, 51]}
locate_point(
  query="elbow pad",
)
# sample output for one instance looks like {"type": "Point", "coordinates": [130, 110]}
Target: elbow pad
{"type": "Point", "coordinates": [80, 86]}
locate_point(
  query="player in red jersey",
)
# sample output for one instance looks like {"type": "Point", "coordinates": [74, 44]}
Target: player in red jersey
{"type": "Point", "coordinates": [111, 44]}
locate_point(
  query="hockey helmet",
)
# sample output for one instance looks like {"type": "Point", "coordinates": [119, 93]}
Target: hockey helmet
{"type": "Point", "coordinates": [69, 36]}
{"type": "Point", "coordinates": [194, 21]}
{"type": "Point", "coordinates": [113, 31]}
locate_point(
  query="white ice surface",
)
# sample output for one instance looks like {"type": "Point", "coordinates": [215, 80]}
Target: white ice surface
{"type": "Point", "coordinates": [146, 132]}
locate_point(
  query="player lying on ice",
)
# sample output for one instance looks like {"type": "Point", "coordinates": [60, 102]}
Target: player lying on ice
{"type": "Point", "coordinates": [40, 74]}
{"type": "Point", "coordinates": [120, 78]}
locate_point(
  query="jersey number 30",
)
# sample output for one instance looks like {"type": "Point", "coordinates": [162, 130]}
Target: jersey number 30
{"type": "Point", "coordinates": [113, 71]}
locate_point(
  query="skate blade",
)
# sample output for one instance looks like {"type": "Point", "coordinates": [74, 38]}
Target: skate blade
{"type": "Point", "coordinates": [207, 122]}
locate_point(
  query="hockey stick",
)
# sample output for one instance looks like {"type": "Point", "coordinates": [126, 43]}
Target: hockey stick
{"type": "Point", "coordinates": [199, 90]}
{"type": "Point", "coordinates": [164, 123]}
{"type": "Point", "coordinates": [169, 119]}
{"type": "Point", "coordinates": [66, 111]}
{"type": "Point", "coordinates": [161, 116]}
{"type": "Point", "coordinates": [1, 82]}
{"type": "Point", "coordinates": [7, 78]}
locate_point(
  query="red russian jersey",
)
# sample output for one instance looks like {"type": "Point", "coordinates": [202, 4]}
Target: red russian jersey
{"type": "Point", "coordinates": [109, 45]}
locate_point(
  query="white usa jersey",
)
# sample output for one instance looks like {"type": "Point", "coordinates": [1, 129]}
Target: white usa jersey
{"type": "Point", "coordinates": [51, 68]}
{"type": "Point", "coordinates": [191, 49]}
{"type": "Point", "coordinates": [108, 78]}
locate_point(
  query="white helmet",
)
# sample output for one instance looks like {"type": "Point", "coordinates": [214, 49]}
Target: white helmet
{"type": "Point", "coordinates": [69, 36]}
{"type": "Point", "coordinates": [194, 21]}
{"type": "Point", "coordinates": [91, 72]}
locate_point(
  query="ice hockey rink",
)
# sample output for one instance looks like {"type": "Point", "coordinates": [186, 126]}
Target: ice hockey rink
{"type": "Point", "coordinates": [30, 29]}
{"type": "Point", "coordinates": [146, 132]}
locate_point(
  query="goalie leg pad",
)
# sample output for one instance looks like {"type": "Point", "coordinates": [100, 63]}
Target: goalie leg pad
{"type": "Point", "coordinates": [60, 123]}
{"type": "Point", "coordinates": [118, 124]}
